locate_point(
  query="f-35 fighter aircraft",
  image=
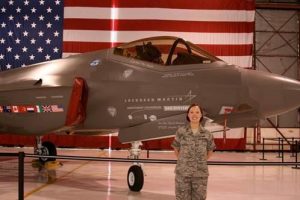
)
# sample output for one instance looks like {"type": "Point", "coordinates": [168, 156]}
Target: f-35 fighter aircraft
{"type": "Point", "coordinates": [141, 89]}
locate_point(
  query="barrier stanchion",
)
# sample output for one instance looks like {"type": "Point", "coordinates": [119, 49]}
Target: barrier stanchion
{"type": "Point", "coordinates": [279, 148]}
{"type": "Point", "coordinates": [292, 147]}
{"type": "Point", "coordinates": [296, 156]}
{"type": "Point", "coordinates": [21, 157]}
{"type": "Point", "coordinates": [147, 153]}
{"type": "Point", "coordinates": [282, 150]}
{"type": "Point", "coordinates": [290, 141]}
{"type": "Point", "coordinates": [263, 150]}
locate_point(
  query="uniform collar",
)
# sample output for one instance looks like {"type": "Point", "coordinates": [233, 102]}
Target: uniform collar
{"type": "Point", "coordinates": [189, 128]}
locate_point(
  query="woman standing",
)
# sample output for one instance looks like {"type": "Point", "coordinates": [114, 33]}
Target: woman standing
{"type": "Point", "coordinates": [193, 145]}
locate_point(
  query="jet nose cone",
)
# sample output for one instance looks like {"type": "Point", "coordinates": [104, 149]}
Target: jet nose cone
{"type": "Point", "coordinates": [272, 94]}
{"type": "Point", "coordinates": [287, 92]}
{"type": "Point", "coordinates": [291, 90]}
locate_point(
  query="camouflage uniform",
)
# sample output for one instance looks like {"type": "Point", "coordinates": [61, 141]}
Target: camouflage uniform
{"type": "Point", "coordinates": [191, 169]}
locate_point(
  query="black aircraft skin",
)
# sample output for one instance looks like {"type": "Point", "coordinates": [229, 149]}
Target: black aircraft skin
{"type": "Point", "coordinates": [139, 89]}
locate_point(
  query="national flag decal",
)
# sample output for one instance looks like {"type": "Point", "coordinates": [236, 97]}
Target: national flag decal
{"type": "Point", "coordinates": [57, 108]}
{"type": "Point", "coordinates": [31, 109]}
{"type": "Point", "coordinates": [46, 108]}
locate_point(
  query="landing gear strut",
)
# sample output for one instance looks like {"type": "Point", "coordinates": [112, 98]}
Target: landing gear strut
{"type": "Point", "coordinates": [135, 175]}
{"type": "Point", "coordinates": [45, 149]}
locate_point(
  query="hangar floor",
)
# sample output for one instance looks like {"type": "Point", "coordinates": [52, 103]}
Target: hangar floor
{"type": "Point", "coordinates": [107, 180]}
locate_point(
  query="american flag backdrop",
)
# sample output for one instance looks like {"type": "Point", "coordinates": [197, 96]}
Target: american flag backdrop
{"type": "Point", "coordinates": [33, 31]}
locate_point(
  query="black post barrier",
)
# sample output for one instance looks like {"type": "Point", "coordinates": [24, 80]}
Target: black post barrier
{"type": "Point", "coordinates": [279, 149]}
{"type": "Point", "coordinates": [292, 147]}
{"type": "Point", "coordinates": [282, 150]}
{"type": "Point", "coordinates": [21, 156]}
{"type": "Point", "coordinates": [147, 153]}
{"type": "Point", "coordinates": [296, 159]}
{"type": "Point", "coordinates": [263, 150]}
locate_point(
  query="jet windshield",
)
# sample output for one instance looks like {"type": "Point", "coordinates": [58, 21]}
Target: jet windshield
{"type": "Point", "coordinates": [165, 51]}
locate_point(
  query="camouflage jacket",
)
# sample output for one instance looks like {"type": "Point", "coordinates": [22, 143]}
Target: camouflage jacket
{"type": "Point", "coordinates": [193, 148]}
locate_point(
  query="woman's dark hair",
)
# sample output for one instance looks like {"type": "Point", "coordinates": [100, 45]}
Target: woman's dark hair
{"type": "Point", "coordinates": [188, 110]}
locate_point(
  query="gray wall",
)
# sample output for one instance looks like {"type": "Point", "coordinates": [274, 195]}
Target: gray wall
{"type": "Point", "coordinates": [277, 51]}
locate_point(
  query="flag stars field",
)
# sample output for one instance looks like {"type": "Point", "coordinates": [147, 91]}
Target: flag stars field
{"type": "Point", "coordinates": [23, 23]}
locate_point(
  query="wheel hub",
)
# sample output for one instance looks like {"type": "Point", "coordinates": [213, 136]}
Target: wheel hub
{"type": "Point", "coordinates": [131, 178]}
{"type": "Point", "coordinates": [44, 152]}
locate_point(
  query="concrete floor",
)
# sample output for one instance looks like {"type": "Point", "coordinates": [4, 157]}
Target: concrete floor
{"type": "Point", "coordinates": [90, 180]}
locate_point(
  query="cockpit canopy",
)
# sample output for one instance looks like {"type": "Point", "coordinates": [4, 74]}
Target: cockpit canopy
{"type": "Point", "coordinates": [165, 50]}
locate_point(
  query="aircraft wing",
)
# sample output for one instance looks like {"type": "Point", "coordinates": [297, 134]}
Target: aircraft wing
{"type": "Point", "coordinates": [161, 128]}
{"type": "Point", "coordinates": [166, 127]}
{"type": "Point", "coordinates": [234, 120]}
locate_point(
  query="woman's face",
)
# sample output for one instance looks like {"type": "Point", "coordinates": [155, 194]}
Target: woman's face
{"type": "Point", "coordinates": [195, 114]}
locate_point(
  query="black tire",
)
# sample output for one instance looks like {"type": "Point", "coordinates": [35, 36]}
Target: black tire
{"type": "Point", "coordinates": [48, 149]}
{"type": "Point", "coordinates": [135, 178]}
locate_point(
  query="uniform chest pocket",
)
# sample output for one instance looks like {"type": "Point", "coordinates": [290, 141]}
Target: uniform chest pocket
{"type": "Point", "coordinates": [202, 143]}
{"type": "Point", "coordinates": [186, 141]}
{"type": "Point", "coordinates": [185, 144]}
{"type": "Point", "coordinates": [186, 147]}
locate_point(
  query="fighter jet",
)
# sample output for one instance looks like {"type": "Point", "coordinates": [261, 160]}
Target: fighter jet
{"type": "Point", "coordinates": [140, 89]}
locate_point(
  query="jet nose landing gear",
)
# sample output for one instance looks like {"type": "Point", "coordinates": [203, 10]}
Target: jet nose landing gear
{"type": "Point", "coordinates": [135, 175]}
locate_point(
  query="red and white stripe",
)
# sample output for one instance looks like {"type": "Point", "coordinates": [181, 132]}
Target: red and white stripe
{"type": "Point", "coordinates": [233, 139]}
{"type": "Point", "coordinates": [224, 28]}
{"type": "Point", "coordinates": [235, 133]}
